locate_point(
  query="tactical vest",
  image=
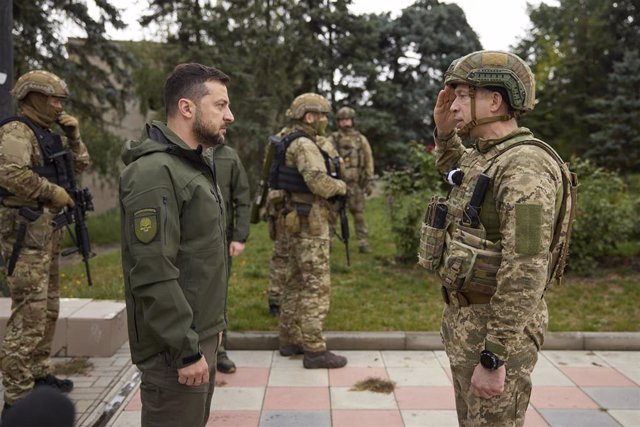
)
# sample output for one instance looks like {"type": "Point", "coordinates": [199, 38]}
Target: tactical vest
{"type": "Point", "coordinates": [464, 257]}
{"type": "Point", "coordinates": [283, 177]}
{"type": "Point", "coordinates": [55, 167]}
{"type": "Point", "coordinates": [351, 154]}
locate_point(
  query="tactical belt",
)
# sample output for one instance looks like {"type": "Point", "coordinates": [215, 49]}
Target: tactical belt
{"type": "Point", "coordinates": [464, 299]}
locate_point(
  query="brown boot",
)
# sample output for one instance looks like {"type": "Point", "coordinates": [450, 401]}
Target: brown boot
{"type": "Point", "coordinates": [291, 350]}
{"type": "Point", "coordinates": [323, 360]}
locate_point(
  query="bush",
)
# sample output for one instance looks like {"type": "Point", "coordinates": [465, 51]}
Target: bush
{"type": "Point", "coordinates": [408, 192]}
{"type": "Point", "coordinates": [604, 217]}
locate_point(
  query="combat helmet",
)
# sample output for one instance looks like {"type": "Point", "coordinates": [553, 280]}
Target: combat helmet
{"type": "Point", "coordinates": [308, 102]}
{"type": "Point", "coordinates": [488, 68]}
{"type": "Point", "coordinates": [40, 81]}
{"type": "Point", "coordinates": [346, 113]}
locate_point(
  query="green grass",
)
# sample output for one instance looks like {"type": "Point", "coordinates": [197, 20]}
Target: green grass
{"type": "Point", "coordinates": [376, 294]}
{"type": "Point", "coordinates": [103, 228]}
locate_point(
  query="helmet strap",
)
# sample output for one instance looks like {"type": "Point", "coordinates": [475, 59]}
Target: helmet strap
{"type": "Point", "coordinates": [466, 129]}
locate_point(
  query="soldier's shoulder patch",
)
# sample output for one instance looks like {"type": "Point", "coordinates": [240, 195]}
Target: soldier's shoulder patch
{"type": "Point", "coordinates": [145, 224]}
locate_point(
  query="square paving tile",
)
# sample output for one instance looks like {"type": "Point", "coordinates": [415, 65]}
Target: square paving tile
{"type": "Point", "coordinates": [135, 404]}
{"type": "Point", "coordinates": [575, 359]}
{"type": "Point", "coordinates": [251, 359]}
{"type": "Point", "coordinates": [417, 398]}
{"type": "Point", "coordinates": [234, 419]}
{"type": "Point", "coordinates": [615, 397]}
{"type": "Point", "coordinates": [298, 377]}
{"type": "Point", "coordinates": [237, 398]}
{"type": "Point", "coordinates": [363, 359]}
{"type": "Point", "coordinates": [243, 377]}
{"type": "Point", "coordinates": [578, 417]}
{"type": "Point", "coordinates": [348, 376]}
{"type": "Point", "coordinates": [379, 418]}
{"type": "Point", "coordinates": [437, 418]}
{"type": "Point", "coordinates": [443, 359]}
{"type": "Point", "coordinates": [533, 419]}
{"type": "Point", "coordinates": [560, 397]}
{"type": "Point", "coordinates": [597, 377]}
{"type": "Point", "coordinates": [296, 419]}
{"type": "Point", "coordinates": [626, 417]}
{"type": "Point", "coordinates": [619, 359]}
{"type": "Point", "coordinates": [549, 375]}
{"type": "Point", "coordinates": [344, 398]}
{"type": "Point", "coordinates": [286, 362]}
{"type": "Point", "coordinates": [410, 359]}
{"type": "Point", "coordinates": [297, 399]}
{"type": "Point", "coordinates": [432, 376]}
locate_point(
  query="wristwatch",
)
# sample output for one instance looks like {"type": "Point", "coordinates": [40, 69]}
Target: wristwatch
{"type": "Point", "coordinates": [490, 361]}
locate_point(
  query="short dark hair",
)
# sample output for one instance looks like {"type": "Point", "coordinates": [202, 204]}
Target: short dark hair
{"type": "Point", "coordinates": [187, 81]}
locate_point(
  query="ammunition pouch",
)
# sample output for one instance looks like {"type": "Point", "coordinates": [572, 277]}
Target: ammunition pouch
{"type": "Point", "coordinates": [470, 263]}
{"type": "Point", "coordinates": [432, 234]}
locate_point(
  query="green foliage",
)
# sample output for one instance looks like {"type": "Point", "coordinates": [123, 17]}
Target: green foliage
{"type": "Point", "coordinates": [103, 228]}
{"type": "Point", "coordinates": [606, 216]}
{"type": "Point", "coordinates": [95, 69]}
{"type": "Point", "coordinates": [573, 48]}
{"type": "Point", "coordinates": [408, 191]}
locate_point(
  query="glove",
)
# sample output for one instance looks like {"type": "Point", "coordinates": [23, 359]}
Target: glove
{"type": "Point", "coordinates": [60, 198]}
{"type": "Point", "coordinates": [70, 126]}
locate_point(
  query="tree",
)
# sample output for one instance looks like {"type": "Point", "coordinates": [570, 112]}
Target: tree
{"type": "Point", "coordinates": [572, 48]}
{"type": "Point", "coordinates": [617, 143]}
{"type": "Point", "coordinates": [94, 68]}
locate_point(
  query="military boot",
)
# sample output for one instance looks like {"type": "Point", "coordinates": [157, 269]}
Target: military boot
{"type": "Point", "coordinates": [323, 360]}
{"type": "Point", "coordinates": [5, 409]}
{"type": "Point", "coordinates": [291, 350]}
{"type": "Point", "coordinates": [224, 364]}
{"type": "Point", "coordinates": [64, 386]}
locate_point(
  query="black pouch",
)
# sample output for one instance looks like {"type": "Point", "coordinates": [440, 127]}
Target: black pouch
{"type": "Point", "coordinates": [432, 234]}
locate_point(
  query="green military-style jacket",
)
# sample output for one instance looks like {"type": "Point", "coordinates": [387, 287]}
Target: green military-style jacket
{"type": "Point", "coordinates": [234, 185]}
{"type": "Point", "coordinates": [174, 250]}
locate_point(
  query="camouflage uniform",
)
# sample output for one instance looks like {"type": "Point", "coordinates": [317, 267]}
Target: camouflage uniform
{"type": "Point", "coordinates": [34, 284]}
{"type": "Point", "coordinates": [306, 293]}
{"type": "Point", "coordinates": [494, 274]}
{"type": "Point", "coordinates": [357, 172]}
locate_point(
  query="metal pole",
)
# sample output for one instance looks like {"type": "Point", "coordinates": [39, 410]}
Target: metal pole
{"type": "Point", "coordinates": [6, 57]}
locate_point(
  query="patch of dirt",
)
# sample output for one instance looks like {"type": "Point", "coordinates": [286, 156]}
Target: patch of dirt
{"type": "Point", "coordinates": [376, 385]}
{"type": "Point", "coordinates": [75, 366]}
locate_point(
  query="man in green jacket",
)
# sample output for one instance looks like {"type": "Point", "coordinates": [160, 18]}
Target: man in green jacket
{"type": "Point", "coordinates": [234, 185]}
{"type": "Point", "coordinates": [174, 251]}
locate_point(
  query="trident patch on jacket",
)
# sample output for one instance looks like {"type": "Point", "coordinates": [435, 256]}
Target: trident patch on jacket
{"type": "Point", "coordinates": [145, 224]}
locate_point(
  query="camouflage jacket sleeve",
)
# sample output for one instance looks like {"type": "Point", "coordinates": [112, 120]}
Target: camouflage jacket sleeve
{"type": "Point", "coordinates": [367, 164]}
{"type": "Point", "coordinates": [448, 152]}
{"type": "Point", "coordinates": [18, 155]}
{"type": "Point", "coordinates": [526, 184]}
{"type": "Point", "coordinates": [241, 200]}
{"type": "Point", "coordinates": [81, 160]}
{"type": "Point", "coordinates": [304, 155]}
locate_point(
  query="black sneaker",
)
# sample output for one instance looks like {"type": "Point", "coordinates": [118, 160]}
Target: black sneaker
{"type": "Point", "coordinates": [5, 409]}
{"type": "Point", "coordinates": [65, 386]}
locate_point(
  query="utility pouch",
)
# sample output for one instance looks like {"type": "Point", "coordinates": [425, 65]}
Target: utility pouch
{"type": "Point", "coordinates": [318, 220]}
{"type": "Point", "coordinates": [292, 222]}
{"type": "Point", "coordinates": [432, 234]}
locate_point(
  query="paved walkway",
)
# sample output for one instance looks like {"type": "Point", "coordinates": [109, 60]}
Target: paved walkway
{"type": "Point", "coordinates": [571, 388]}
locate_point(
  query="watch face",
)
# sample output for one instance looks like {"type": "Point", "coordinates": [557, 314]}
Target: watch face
{"type": "Point", "coordinates": [488, 360]}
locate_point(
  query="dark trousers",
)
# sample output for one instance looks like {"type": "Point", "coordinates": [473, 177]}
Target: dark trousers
{"type": "Point", "coordinates": [166, 402]}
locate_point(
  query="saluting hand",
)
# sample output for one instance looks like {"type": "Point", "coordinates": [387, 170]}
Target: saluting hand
{"type": "Point", "coordinates": [442, 114]}
{"type": "Point", "coordinates": [194, 374]}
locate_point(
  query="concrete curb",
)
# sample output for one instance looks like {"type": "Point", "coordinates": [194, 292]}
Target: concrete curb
{"type": "Point", "coordinates": [613, 341]}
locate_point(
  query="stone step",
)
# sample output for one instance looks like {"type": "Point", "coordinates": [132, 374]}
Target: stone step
{"type": "Point", "coordinates": [85, 327]}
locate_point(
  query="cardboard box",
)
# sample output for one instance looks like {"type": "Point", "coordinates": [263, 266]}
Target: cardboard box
{"type": "Point", "coordinates": [98, 328]}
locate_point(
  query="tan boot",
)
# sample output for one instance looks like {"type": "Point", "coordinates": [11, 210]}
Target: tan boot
{"type": "Point", "coordinates": [323, 360]}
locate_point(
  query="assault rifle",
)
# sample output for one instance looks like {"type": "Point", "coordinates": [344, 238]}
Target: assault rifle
{"type": "Point", "coordinates": [263, 184]}
{"type": "Point", "coordinates": [76, 215]}
{"type": "Point", "coordinates": [344, 221]}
